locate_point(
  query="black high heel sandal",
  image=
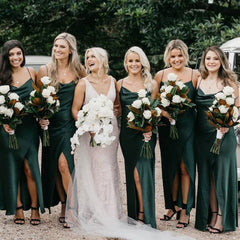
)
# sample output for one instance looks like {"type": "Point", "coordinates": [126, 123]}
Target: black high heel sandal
{"type": "Point", "coordinates": [168, 218]}
{"type": "Point", "coordinates": [19, 221]}
{"type": "Point", "coordinates": [209, 226]}
{"type": "Point", "coordinates": [216, 229]}
{"type": "Point", "coordinates": [35, 221]}
{"type": "Point", "coordinates": [62, 219]}
{"type": "Point", "coordinates": [184, 206]}
{"type": "Point", "coordinates": [139, 219]}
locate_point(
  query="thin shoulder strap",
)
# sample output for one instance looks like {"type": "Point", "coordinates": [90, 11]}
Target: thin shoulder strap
{"type": "Point", "coordinates": [162, 75]}
{"type": "Point", "coordinates": [29, 72]}
{"type": "Point", "coordinates": [199, 83]}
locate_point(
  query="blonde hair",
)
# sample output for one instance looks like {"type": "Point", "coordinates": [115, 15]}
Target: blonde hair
{"type": "Point", "coordinates": [224, 72]}
{"type": "Point", "coordinates": [73, 59]}
{"type": "Point", "coordinates": [145, 66]}
{"type": "Point", "coordinates": [175, 44]}
{"type": "Point", "coordinates": [102, 56]}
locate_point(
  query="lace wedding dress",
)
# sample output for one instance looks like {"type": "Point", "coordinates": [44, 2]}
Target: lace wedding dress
{"type": "Point", "coordinates": [94, 205]}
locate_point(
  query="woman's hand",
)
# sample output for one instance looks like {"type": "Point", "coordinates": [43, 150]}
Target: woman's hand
{"type": "Point", "coordinates": [224, 130]}
{"type": "Point", "coordinates": [116, 110]}
{"type": "Point", "coordinates": [167, 115]}
{"type": "Point", "coordinates": [44, 123]}
{"type": "Point", "coordinates": [7, 128]}
{"type": "Point", "coordinates": [147, 136]}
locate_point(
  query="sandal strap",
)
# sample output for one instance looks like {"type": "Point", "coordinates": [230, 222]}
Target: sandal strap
{"type": "Point", "coordinates": [20, 207]}
{"type": "Point", "coordinates": [34, 208]}
{"type": "Point", "coordinates": [63, 202]}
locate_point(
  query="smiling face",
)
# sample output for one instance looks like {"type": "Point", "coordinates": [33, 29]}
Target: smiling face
{"type": "Point", "coordinates": [92, 63]}
{"type": "Point", "coordinates": [61, 49]}
{"type": "Point", "coordinates": [133, 63]}
{"type": "Point", "coordinates": [212, 62]}
{"type": "Point", "coordinates": [15, 57]}
{"type": "Point", "coordinates": [176, 59]}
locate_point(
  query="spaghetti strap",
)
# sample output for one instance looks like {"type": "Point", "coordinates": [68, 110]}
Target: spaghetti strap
{"type": "Point", "coordinates": [29, 72]}
{"type": "Point", "coordinates": [199, 83]}
{"type": "Point", "coordinates": [162, 75]}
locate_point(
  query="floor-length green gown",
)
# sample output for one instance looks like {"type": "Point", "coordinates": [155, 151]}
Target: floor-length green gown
{"type": "Point", "coordinates": [131, 142]}
{"type": "Point", "coordinates": [173, 151]}
{"type": "Point", "coordinates": [12, 161]}
{"type": "Point", "coordinates": [61, 129]}
{"type": "Point", "coordinates": [222, 167]}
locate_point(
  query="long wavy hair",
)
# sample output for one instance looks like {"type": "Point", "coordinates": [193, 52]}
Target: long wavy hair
{"type": "Point", "coordinates": [5, 66]}
{"type": "Point", "coordinates": [73, 59]}
{"type": "Point", "coordinates": [145, 66]}
{"type": "Point", "coordinates": [102, 56]}
{"type": "Point", "coordinates": [224, 72]}
{"type": "Point", "coordinates": [175, 44]}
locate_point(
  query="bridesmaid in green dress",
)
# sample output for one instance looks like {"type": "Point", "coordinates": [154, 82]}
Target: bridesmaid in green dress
{"type": "Point", "coordinates": [139, 171]}
{"type": "Point", "coordinates": [177, 156]}
{"type": "Point", "coordinates": [217, 174]}
{"type": "Point", "coordinates": [20, 180]}
{"type": "Point", "coordinates": [57, 161]}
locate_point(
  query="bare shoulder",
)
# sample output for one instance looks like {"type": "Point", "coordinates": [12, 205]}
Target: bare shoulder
{"type": "Point", "coordinates": [119, 84]}
{"type": "Point", "coordinates": [158, 76]}
{"type": "Point", "coordinates": [195, 77]}
{"type": "Point", "coordinates": [33, 72]}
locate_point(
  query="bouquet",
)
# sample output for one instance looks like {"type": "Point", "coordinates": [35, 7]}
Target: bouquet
{"type": "Point", "coordinates": [96, 118]}
{"type": "Point", "coordinates": [173, 99]}
{"type": "Point", "coordinates": [11, 112]}
{"type": "Point", "coordinates": [222, 113]}
{"type": "Point", "coordinates": [43, 104]}
{"type": "Point", "coordinates": [144, 116]}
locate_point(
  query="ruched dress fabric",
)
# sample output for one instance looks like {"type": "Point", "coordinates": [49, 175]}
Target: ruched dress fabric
{"type": "Point", "coordinates": [61, 129]}
{"type": "Point", "coordinates": [131, 142]}
{"type": "Point", "coordinates": [12, 161]}
{"type": "Point", "coordinates": [222, 167]}
{"type": "Point", "coordinates": [173, 151]}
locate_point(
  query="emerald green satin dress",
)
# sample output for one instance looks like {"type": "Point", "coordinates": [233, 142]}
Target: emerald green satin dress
{"type": "Point", "coordinates": [131, 142]}
{"type": "Point", "coordinates": [222, 167]}
{"type": "Point", "coordinates": [61, 129]}
{"type": "Point", "coordinates": [173, 151]}
{"type": "Point", "coordinates": [12, 161]}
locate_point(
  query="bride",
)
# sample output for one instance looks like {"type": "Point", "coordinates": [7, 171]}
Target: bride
{"type": "Point", "coordinates": [94, 205]}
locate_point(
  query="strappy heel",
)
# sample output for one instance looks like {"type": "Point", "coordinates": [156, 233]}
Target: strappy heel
{"type": "Point", "coordinates": [183, 224]}
{"type": "Point", "coordinates": [139, 219]}
{"type": "Point", "coordinates": [62, 219]}
{"type": "Point", "coordinates": [19, 221]}
{"type": "Point", "coordinates": [168, 218]}
{"type": "Point", "coordinates": [209, 226]}
{"type": "Point", "coordinates": [216, 229]}
{"type": "Point", "coordinates": [35, 221]}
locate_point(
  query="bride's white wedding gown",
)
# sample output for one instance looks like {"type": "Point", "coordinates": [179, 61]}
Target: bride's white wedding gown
{"type": "Point", "coordinates": [94, 205]}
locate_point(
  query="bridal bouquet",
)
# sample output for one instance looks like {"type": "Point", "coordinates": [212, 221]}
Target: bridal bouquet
{"type": "Point", "coordinates": [144, 116]}
{"type": "Point", "coordinates": [43, 104]}
{"type": "Point", "coordinates": [173, 99]}
{"type": "Point", "coordinates": [11, 112]}
{"type": "Point", "coordinates": [95, 118]}
{"type": "Point", "coordinates": [222, 113]}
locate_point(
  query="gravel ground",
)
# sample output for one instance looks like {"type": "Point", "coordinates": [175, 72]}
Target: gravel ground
{"type": "Point", "coordinates": [50, 229]}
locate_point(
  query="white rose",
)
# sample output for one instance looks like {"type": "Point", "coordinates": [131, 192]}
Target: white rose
{"type": "Point", "coordinates": [45, 80]}
{"type": "Point", "coordinates": [8, 112]}
{"type": "Point", "coordinates": [142, 93]}
{"type": "Point", "coordinates": [19, 105]}
{"type": "Point", "coordinates": [158, 111]}
{"type": "Point", "coordinates": [215, 102]}
{"type": "Point", "coordinates": [46, 93]}
{"type": "Point", "coordinates": [50, 100]}
{"type": "Point", "coordinates": [2, 109]}
{"type": "Point", "coordinates": [2, 99]}
{"type": "Point", "coordinates": [228, 90]}
{"type": "Point", "coordinates": [32, 93]}
{"type": "Point", "coordinates": [230, 101]}
{"type": "Point", "coordinates": [210, 109]}
{"type": "Point", "coordinates": [130, 116]}
{"type": "Point", "coordinates": [147, 114]}
{"type": "Point", "coordinates": [13, 96]}
{"type": "Point", "coordinates": [220, 95]}
{"type": "Point", "coordinates": [137, 104]}
{"type": "Point", "coordinates": [52, 89]}
{"type": "Point", "coordinates": [4, 89]}
{"type": "Point", "coordinates": [176, 99]}
{"type": "Point", "coordinates": [180, 84]}
{"type": "Point", "coordinates": [183, 99]}
{"type": "Point", "coordinates": [146, 101]}
{"type": "Point", "coordinates": [223, 109]}
{"type": "Point", "coordinates": [235, 114]}
{"type": "Point", "coordinates": [165, 102]}
{"type": "Point", "coordinates": [163, 94]}
{"type": "Point", "coordinates": [172, 77]}
{"type": "Point", "coordinates": [85, 108]}
{"type": "Point", "coordinates": [168, 89]}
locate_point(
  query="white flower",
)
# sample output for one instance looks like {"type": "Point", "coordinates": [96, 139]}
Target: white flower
{"type": "Point", "coordinates": [215, 102]}
{"type": "Point", "coordinates": [8, 112]}
{"type": "Point", "coordinates": [220, 95]}
{"type": "Point", "coordinates": [2, 99]}
{"type": "Point", "coordinates": [52, 89]}
{"type": "Point", "coordinates": [158, 111]}
{"type": "Point", "coordinates": [163, 94]}
{"type": "Point", "coordinates": [176, 99]}
{"type": "Point", "coordinates": [19, 105]}
{"type": "Point", "coordinates": [168, 89]}
{"type": "Point", "coordinates": [165, 102]}
{"type": "Point", "coordinates": [223, 109]}
{"type": "Point", "coordinates": [147, 114]}
{"type": "Point", "coordinates": [228, 90]}
{"type": "Point", "coordinates": [183, 99]}
{"type": "Point", "coordinates": [137, 103]}
{"type": "Point", "coordinates": [230, 101]}
{"type": "Point", "coordinates": [235, 114]}
{"type": "Point", "coordinates": [162, 88]}
{"type": "Point", "coordinates": [13, 96]}
{"type": "Point", "coordinates": [4, 89]}
{"type": "Point", "coordinates": [130, 116]}
{"type": "Point", "coordinates": [46, 93]}
{"type": "Point", "coordinates": [146, 101]}
{"type": "Point", "coordinates": [210, 109]}
{"type": "Point", "coordinates": [45, 80]}
{"type": "Point", "coordinates": [32, 93]}
{"type": "Point", "coordinates": [142, 93]}
{"type": "Point", "coordinates": [50, 100]}
{"type": "Point", "coordinates": [57, 103]}
{"type": "Point", "coordinates": [172, 77]}
{"type": "Point", "coordinates": [180, 84]}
